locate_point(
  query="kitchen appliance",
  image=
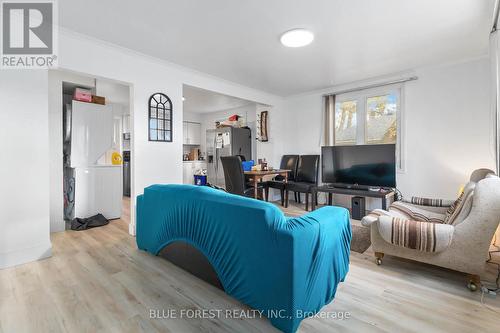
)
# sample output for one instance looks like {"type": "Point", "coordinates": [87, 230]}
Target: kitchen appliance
{"type": "Point", "coordinates": [226, 141]}
{"type": "Point", "coordinates": [360, 166]}
{"type": "Point", "coordinates": [91, 186]}
{"type": "Point", "coordinates": [126, 173]}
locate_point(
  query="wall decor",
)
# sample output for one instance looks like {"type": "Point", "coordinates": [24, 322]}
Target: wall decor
{"type": "Point", "coordinates": [262, 126]}
{"type": "Point", "coordinates": [160, 118]}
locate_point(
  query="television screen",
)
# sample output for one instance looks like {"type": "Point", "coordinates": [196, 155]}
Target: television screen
{"type": "Point", "coordinates": [366, 165]}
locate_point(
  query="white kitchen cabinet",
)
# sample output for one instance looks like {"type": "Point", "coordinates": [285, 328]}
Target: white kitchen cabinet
{"type": "Point", "coordinates": [194, 131]}
{"type": "Point", "coordinates": [191, 133]}
{"type": "Point", "coordinates": [185, 133]}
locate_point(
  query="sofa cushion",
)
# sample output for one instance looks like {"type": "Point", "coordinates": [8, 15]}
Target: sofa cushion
{"type": "Point", "coordinates": [416, 235]}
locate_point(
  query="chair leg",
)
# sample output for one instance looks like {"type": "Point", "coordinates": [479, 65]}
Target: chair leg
{"type": "Point", "coordinates": [282, 193]}
{"type": "Point", "coordinates": [299, 196]}
{"type": "Point", "coordinates": [307, 201]}
{"type": "Point", "coordinates": [316, 198]}
{"type": "Point", "coordinates": [286, 198]}
{"type": "Point", "coordinates": [266, 192]}
{"type": "Point", "coordinates": [378, 257]}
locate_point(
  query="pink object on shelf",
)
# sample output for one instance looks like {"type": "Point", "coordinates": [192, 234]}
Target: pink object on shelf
{"type": "Point", "coordinates": [82, 95]}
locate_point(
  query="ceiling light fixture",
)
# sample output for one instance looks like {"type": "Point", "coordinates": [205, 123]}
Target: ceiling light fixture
{"type": "Point", "coordinates": [297, 38]}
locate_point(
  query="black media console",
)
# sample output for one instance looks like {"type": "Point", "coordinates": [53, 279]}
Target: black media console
{"type": "Point", "coordinates": [386, 195]}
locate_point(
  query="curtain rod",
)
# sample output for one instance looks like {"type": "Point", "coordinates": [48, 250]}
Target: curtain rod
{"type": "Point", "coordinates": [496, 13]}
{"type": "Point", "coordinates": [375, 85]}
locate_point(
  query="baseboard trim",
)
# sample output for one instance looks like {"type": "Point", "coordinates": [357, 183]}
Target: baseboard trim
{"type": "Point", "coordinates": [131, 229]}
{"type": "Point", "coordinates": [19, 257]}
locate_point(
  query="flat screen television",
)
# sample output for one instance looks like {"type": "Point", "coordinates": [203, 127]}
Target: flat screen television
{"type": "Point", "coordinates": [361, 165]}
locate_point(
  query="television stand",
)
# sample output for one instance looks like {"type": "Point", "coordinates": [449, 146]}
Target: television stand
{"type": "Point", "coordinates": [384, 194]}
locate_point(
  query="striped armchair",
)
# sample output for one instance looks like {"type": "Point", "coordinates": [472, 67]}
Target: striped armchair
{"type": "Point", "coordinates": [452, 234]}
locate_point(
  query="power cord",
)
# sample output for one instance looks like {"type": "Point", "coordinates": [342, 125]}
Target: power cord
{"type": "Point", "coordinates": [490, 260]}
{"type": "Point", "coordinates": [484, 288]}
{"type": "Point", "coordinates": [398, 196]}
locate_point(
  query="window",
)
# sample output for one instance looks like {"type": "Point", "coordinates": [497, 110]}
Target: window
{"type": "Point", "coordinates": [345, 123]}
{"type": "Point", "coordinates": [369, 117]}
{"type": "Point", "coordinates": [160, 118]}
{"type": "Point", "coordinates": [381, 119]}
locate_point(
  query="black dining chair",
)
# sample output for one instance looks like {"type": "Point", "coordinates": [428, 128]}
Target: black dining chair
{"type": "Point", "coordinates": [288, 162]}
{"type": "Point", "coordinates": [305, 179]}
{"type": "Point", "coordinates": [235, 177]}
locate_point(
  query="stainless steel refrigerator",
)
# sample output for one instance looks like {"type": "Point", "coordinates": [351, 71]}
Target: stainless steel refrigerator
{"type": "Point", "coordinates": [226, 141]}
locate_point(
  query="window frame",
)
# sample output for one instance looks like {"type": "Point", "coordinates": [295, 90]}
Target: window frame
{"type": "Point", "coordinates": [361, 98]}
{"type": "Point", "coordinates": [167, 109]}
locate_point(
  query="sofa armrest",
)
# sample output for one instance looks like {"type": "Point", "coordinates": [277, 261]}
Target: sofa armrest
{"type": "Point", "coordinates": [320, 243]}
{"type": "Point", "coordinates": [417, 235]}
{"type": "Point", "coordinates": [429, 202]}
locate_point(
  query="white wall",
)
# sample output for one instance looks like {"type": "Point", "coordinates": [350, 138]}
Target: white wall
{"type": "Point", "coordinates": [192, 116]}
{"type": "Point", "coordinates": [448, 127]}
{"type": "Point", "coordinates": [448, 124]}
{"type": "Point", "coordinates": [24, 167]}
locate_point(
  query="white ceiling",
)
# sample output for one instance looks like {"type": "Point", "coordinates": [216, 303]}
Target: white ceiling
{"type": "Point", "coordinates": [239, 40]}
{"type": "Point", "coordinates": [204, 101]}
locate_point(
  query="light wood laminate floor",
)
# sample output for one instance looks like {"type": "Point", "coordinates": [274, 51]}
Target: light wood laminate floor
{"type": "Point", "coordinates": [98, 281]}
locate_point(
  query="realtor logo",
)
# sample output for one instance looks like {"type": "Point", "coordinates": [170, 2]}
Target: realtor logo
{"type": "Point", "coordinates": [28, 34]}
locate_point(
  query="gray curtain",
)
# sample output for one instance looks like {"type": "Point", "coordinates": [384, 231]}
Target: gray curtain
{"type": "Point", "coordinates": [328, 137]}
{"type": "Point", "coordinates": [495, 98]}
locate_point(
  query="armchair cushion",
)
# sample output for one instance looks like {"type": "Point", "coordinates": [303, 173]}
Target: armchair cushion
{"type": "Point", "coordinates": [460, 209]}
{"type": "Point", "coordinates": [416, 213]}
{"type": "Point", "coordinates": [417, 235]}
{"type": "Point", "coordinates": [429, 202]}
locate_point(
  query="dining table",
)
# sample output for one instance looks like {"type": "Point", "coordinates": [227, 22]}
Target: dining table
{"type": "Point", "coordinates": [256, 177]}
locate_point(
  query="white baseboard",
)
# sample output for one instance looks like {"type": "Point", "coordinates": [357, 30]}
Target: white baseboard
{"type": "Point", "coordinates": [19, 257]}
{"type": "Point", "coordinates": [131, 229]}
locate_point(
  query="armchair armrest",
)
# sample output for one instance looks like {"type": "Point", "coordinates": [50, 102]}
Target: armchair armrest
{"type": "Point", "coordinates": [421, 236]}
{"type": "Point", "coordinates": [429, 202]}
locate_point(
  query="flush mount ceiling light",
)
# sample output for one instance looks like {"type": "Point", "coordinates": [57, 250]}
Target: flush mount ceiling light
{"type": "Point", "coordinates": [297, 38]}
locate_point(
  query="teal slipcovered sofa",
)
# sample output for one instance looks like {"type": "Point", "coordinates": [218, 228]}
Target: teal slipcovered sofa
{"type": "Point", "coordinates": [288, 268]}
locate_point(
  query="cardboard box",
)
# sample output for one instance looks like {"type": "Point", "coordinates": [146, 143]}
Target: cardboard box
{"type": "Point", "coordinates": [98, 100]}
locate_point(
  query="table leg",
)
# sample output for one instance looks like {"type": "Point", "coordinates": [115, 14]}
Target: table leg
{"type": "Point", "coordinates": [255, 189]}
{"type": "Point", "coordinates": [330, 199]}
{"type": "Point", "coordinates": [384, 203]}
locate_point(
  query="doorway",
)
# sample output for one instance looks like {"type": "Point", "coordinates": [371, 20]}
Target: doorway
{"type": "Point", "coordinates": [90, 148]}
{"type": "Point", "coordinates": [208, 114]}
